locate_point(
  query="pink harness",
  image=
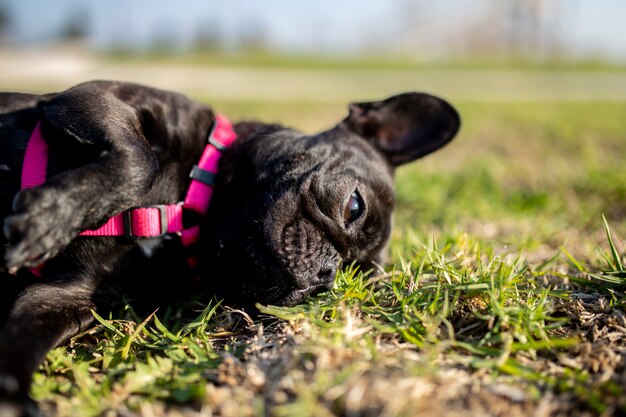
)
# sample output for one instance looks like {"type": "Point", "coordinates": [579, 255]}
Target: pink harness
{"type": "Point", "coordinates": [148, 221]}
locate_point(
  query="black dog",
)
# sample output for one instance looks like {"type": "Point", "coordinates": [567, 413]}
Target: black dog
{"type": "Point", "coordinates": [288, 208]}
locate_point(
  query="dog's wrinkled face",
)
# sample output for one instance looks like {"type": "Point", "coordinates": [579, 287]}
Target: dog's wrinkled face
{"type": "Point", "coordinates": [291, 208]}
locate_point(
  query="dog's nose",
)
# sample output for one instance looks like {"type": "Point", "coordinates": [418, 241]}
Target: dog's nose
{"type": "Point", "coordinates": [326, 274]}
{"type": "Point", "coordinates": [322, 279]}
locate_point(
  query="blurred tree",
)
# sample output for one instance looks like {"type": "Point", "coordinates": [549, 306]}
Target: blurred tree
{"type": "Point", "coordinates": [252, 36]}
{"type": "Point", "coordinates": [165, 37]}
{"type": "Point", "coordinates": [516, 29]}
{"type": "Point", "coordinates": [411, 26]}
{"type": "Point", "coordinates": [5, 21]}
{"type": "Point", "coordinates": [531, 26]}
{"type": "Point", "coordinates": [208, 36]}
{"type": "Point", "coordinates": [76, 27]}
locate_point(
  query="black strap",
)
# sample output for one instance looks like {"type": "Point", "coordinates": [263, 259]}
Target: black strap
{"type": "Point", "coordinates": [202, 175]}
{"type": "Point", "coordinates": [218, 145]}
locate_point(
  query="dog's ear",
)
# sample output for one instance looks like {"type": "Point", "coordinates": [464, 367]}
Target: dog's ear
{"type": "Point", "coordinates": [247, 128]}
{"type": "Point", "coordinates": [404, 127]}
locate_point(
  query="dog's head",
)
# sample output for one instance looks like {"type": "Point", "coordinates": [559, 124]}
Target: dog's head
{"type": "Point", "coordinates": [290, 208]}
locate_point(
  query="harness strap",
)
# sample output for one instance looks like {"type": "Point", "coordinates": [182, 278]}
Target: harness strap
{"type": "Point", "coordinates": [199, 193]}
{"type": "Point", "coordinates": [155, 220]}
{"type": "Point", "coordinates": [143, 222]}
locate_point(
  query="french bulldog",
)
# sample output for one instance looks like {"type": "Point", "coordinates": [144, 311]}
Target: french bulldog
{"type": "Point", "coordinates": [288, 208]}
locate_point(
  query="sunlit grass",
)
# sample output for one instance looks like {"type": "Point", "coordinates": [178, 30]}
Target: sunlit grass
{"type": "Point", "coordinates": [504, 283]}
{"type": "Point", "coordinates": [266, 59]}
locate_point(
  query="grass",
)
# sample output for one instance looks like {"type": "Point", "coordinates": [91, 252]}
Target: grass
{"type": "Point", "coordinates": [504, 295]}
{"type": "Point", "coordinates": [267, 59]}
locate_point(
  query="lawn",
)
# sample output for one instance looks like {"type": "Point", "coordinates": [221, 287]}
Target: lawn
{"type": "Point", "coordinates": [504, 293]}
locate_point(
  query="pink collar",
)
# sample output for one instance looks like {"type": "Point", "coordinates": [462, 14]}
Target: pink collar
{"type": "Point", "coordinates": [148, 221]}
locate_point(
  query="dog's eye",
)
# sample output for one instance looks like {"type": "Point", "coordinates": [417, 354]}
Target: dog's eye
{"type": "Point", "coordinates": [354, 208]}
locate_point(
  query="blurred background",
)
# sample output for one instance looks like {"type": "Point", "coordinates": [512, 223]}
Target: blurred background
{"type": "Point", "coordinates": [540, 84]}
{"type": "Point", "coordinates": [54, 44]}
{"type": "Point", "coordinates": [538, 29]}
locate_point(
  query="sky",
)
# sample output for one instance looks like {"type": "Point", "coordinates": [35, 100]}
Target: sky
{"type": "Point", "coordinates": [586, 28]}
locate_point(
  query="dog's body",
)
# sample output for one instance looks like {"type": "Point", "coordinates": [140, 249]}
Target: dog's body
{"type": "Point", "coordinates": [288, 208]}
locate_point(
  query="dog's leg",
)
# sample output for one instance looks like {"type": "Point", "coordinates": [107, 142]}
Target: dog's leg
{"type": "Point", "coordinates": [43, 316]}
{"type": "Point", "coordinates": [117, 168]}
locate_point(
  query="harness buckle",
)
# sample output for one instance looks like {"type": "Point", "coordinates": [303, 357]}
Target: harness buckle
{"type": "Point", "coordinates": [212, 140]}
{"type": "Point", "coordinates": [128, 221]}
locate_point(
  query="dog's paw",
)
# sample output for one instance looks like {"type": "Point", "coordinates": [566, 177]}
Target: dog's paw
{"type": "Point", "coordinates": [11, 403]}
{"type": "Point", "coordinates": [41, 226]}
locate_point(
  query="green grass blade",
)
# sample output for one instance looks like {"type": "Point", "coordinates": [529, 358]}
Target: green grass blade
{"type": "Point", "coordinates": [107, 324]}
{"type": "Point", "coordinates": [135, 335]}
{"type": "Point", "coordinates": [161, 327]}
{"type": "Point", "coordinates": [617, 261]}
